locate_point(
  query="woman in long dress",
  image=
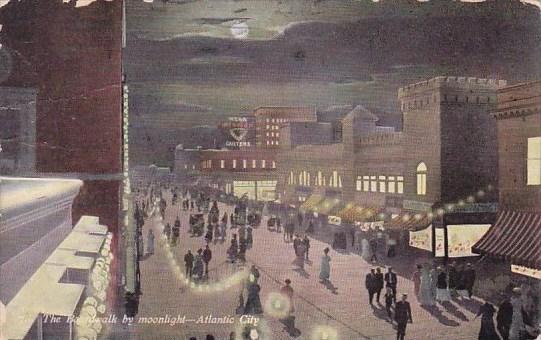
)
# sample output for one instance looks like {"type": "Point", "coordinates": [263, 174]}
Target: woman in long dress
{"type": "Point", "coordinates": [198, 266]}
{"type": "Point", "coordinates": [325, 271]}
{"type": "Point", "coordinates": [488, 330]}
{"type": "Point", "coordinates": [150, 242]}
{"type": "Point", "coordinates": [253, 302]}
{"type": "Point", "coordinates": [426, 298]}
{"type": "Point", "coordinates": [301, 249]}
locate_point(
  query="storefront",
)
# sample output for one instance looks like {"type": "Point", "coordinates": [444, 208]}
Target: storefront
{"type": "Point", "coordinates": [255, 190]}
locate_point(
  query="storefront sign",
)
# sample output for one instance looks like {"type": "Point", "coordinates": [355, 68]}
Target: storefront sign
{"type": "Point", "coordinates": [476, 207]}
{"type": "Point", "coordinates": [531, 272]}
{"type": "Point", "coordinates": [378, 225]}
{"type": "Point", "coordinates": [239, 129]}
{"type": "Point", "coordinates": [460, 238]}
{"type": "Point", "coordinates": [335, 220]}
{"type": "Point", "coordinates": [422, 239]}
{"type": "Point", "coordinates": [417, 206]}
{"type": "Point", "coordinates": [440, 242]}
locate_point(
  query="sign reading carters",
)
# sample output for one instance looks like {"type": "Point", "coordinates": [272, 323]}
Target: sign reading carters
{"type": "Point", "coordinates": [241, 131]}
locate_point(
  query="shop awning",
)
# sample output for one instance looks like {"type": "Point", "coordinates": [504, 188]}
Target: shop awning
{"type": "Point", "coordinates": [353, 213]}
{"type": "Point", "coordinates": [311, 202]}
{"type": "Point", "coordinates": [409, 221]}
{"type": "Point", "coordinates": [515, 237]}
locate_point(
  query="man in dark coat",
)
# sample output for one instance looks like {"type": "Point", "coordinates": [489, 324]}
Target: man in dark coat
{"type": "Point", "coordinates": [504, 317]}
{"type": "Point", "coordinates": [379, 283]}
{"type": "Point", "coordinates": [469, 279]}
{"type": "Point", "coordinates": [402, 316]}
{"type": "Point", "coordinates": [188, 263]}
{"type": "Point", "coordinates": [370, 284]}
{"type": "Point", "coordinates": [391, 281]}
{"type": "Point", "coordinates": [207, 256]}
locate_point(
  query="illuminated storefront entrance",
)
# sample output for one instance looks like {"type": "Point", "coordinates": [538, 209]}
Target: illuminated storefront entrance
{"type": "Point", "coordinates": [255, 190]}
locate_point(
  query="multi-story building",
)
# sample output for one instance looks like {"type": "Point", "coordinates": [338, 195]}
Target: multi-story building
{"type": "Point", "coordinates": [270, 119]}
{"type": "Point", "coordinates": [441, 168]}
{"type": "Point", "coordinates": [516, 235]}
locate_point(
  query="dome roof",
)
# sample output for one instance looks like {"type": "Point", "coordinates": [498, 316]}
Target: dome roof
{"type": "Point", "coordinates": [362, 113]}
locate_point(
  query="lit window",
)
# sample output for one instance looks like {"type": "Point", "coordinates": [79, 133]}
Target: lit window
{"type": "Point", "coordinates": [277, 142]}
{"type": "Point", "coordinates": [254, 163]}
{"type": "Point", "coordinates": [335, 179]}
{"type": "Point", "coordinates": [272, 120]}
{"type": "Point", "coordinates": [267, 134]}
{"type": "Point", "coordinates": [359, 183]}
{"type": "Point", "coordinates": [273, 164]}
{"type": "Point", "coordinates": [222, 164]}
{"type": "Point", "coordinates": [400, 184]}
{"type": "Point", "coordinates": [244, 163]}
{"type": "Point", "coordinates": [193, 167]}
{"type": "Point", "coordinates": [268, 120]}
{"type": "Point", "coordinates": [339, 181]}
{"type": "Point", "coordinates": [373, 184]}
{"type": "Point", "coordinates": [210, 163]}
{"type": "Point", "coordinates": [391, 184]}
{"type": "Point", "coordinates": [268, 127]}
{"type": "Point", "coordinates": [421, 178]}
{"type": "Point", "coordinates": [277, 134]}
{"type": "Point", "coordinates": [381, 183]}
{"type": "Point", "coordinates": [234, 164]}
{"type": "Point", "coordinates": [263, 163]}
{"type": "Point", "coordinates": [185, 166]}
{"type": "Point", "coordinates": [268, 142]}
{"type": "Point", "coordinates": [366, 183]}
{"type": "Point", "coordinates": [534, 161]}
{"type": "Point", "coordinates": [272, 142]}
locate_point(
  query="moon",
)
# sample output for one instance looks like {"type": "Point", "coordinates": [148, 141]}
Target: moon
{"type": "Point", "coordinates": [240, 30]}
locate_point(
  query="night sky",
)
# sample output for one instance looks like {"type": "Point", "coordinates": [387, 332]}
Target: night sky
{"type": "Point", "coordinates": [186, 68]}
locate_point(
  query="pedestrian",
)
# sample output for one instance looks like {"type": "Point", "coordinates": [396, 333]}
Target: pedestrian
{"type": "Point", "coordinates": [416, 278]}
{"type": "Point", "coordinates": [442, 291]}
{"type": "Point", "coordinates": [469, 279]}
{"type": "Point", "coordinates": [232, 220]}
{"type": "Point", "coordinates": [461, 284]}
{"type": "Point", "coordinates": [517, 329]}
{"type": "Point", "coordinates": [391, 281]}
{"type": "Point", "coordinates": [208, 235]}
{"type": "Point", "coordinates": [402, 315]}
{"type": "Point", "coordinates": [216, 233]}
{"type": "Point", "coordinates": [253, 301]}
{"type": "Point", "coordinates": [504, 317]}
{"type": "Point", "coordinates": [150, 242]}
{"type": "Point", "coordinates": [249, 237]}
{"type": "Point", "coordinates": [325, 270]}
{"type": "Point", "coordinates": [167, 231]}
{"type": "Point", "coordinates": [198, 266]}
{"type": "Point", "coordinates": [300, 252]}
{"type": "Point", "coordinates": [223, 230]}
{"type": "Point", "coordinates": [379, 283]}
{"type": "Point", "coordinates": [453, 279]}
{"type": "Point", "coordinates": [487, 331]}
{"type": "Point", "coordinates": [242, 250]}
{"type": "Point", "coordinates": [374, 249]}
{"type": "Point", "coordinates": [426, 298]}
{"type": "Point", "coordinates": [389, 302]}
{"type": "Point", "coordinates": [306, 242]}
{"type": "Point", "coordinates": [279, 224]}
{"type": "Point", "coordinates": [300, 218]}
{"type": "Point", "coordinates": [141, 248]}
{"type": "Point", "coordinates": [188, 263]}
{"type": "Point", "coordinates": [370, 284]}
{"type": "Point", "coordinates": [207, 256]}
{"type": "Point", "coordinates": [296, 243]}
{"type": "Point", "coordinates": [287, 293]}
{"type": "Point", "coordinates": [310, 228]}
{"type": "Point", "coordinates": [434, 281]}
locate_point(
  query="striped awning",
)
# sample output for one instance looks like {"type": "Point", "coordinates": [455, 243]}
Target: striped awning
{"type": "Point", "coordinates": [327, 205]}
{"type": "Point", "coordinates": [409, 221]}
{"type": "Point", "coordinates": [311, 202]}
{"type": "Point", "coordinates": [515, 237]}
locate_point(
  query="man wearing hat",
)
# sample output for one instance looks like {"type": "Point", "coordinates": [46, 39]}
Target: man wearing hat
{"type": "Point", "coordinates": [402, 315]}
{"type": "Point", "coordinates": [469, 278]}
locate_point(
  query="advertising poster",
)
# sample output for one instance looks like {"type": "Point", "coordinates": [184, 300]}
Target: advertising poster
{"type": "Point", "coordinates": [154, 156]}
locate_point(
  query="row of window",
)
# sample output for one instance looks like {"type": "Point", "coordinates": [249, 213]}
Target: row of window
{"type": "Point", "coordinates": [272, 142]}
{"type": "Point", "coordinates": [381, 183]}
{"type": "Point", "coordinates": [276, 120]}
{"type": "Point", "coordinates": [186, 166]}
{"type": "Point", "coordinates": [272, 127]}
{"type": "Point", "coordinates": [304, 178]}
{"type": "Point", "coordinates": [253, 164]}
{"type": "Point", "coordinates": [272, 134]}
